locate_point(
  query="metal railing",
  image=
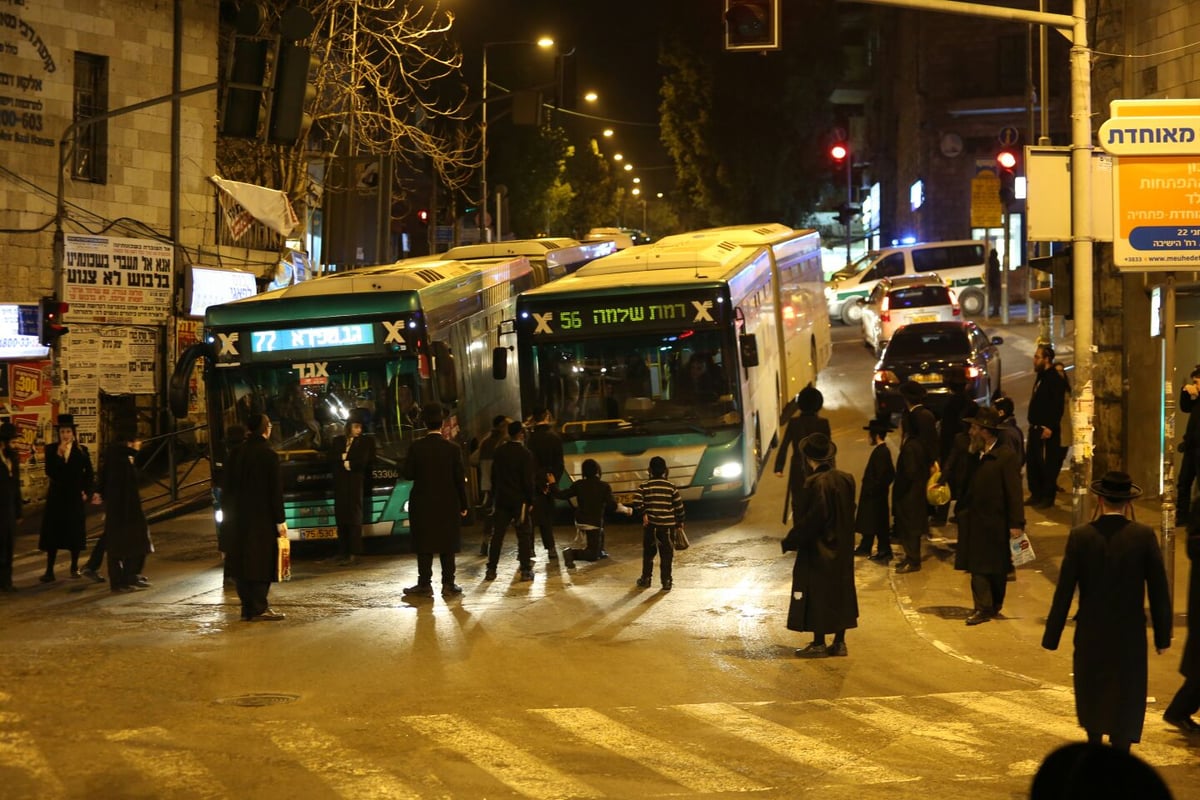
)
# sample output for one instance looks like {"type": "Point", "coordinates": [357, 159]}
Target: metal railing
{"type": "Point", "coordinates": [176, 468]}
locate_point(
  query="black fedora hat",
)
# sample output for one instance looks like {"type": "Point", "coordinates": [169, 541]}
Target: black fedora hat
{"type": "Point", "coordinates": [912, 391]}
{"type": "Point", "coordinates": [1116, 486]}
{"type": "Point", "coordinates": [818, 447]}
{"type": "Point", "coordinates": [878, 425]}
{"type": "Point", "coordinates": [65, 421]}
{"type": "Point", "coordinates": [985, 417]}
{"type": "Point", "coordinates": [810, 400]}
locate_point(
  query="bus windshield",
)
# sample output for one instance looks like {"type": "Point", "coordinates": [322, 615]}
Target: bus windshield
{"type": "Point", "coordinates": [637, 384]}
{"type": "Point", "coordinates": [308, 403]}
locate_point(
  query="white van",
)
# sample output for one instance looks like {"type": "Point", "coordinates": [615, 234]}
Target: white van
{"type": "Point", "coordinates": [961, 264]}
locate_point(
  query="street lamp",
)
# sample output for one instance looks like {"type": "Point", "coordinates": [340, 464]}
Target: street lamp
{"type": "Point", "coordinates": [484, 230]}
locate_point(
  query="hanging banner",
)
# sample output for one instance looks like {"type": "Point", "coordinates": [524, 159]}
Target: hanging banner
{"type": "Point", "coordinates": [115, 280]}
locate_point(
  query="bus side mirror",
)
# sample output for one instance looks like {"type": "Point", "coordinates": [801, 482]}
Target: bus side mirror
{"type": "Point", "coordinates": [447, 380]}
{"type": "Point", "coordinates": [748, 344]}
{"type": "Point", "coordinates": [499, 363]}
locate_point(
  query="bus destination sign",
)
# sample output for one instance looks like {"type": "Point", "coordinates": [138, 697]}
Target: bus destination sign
{"type": "Point", "coordinates": [326, 336]}
{"type": "Point", "coordinates": [612, 313]}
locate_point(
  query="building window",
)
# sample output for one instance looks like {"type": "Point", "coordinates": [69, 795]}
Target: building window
{"type": "Point", "coordinates": [91, 98]}
{"type": "Point", "coordinates": [1011, 64]}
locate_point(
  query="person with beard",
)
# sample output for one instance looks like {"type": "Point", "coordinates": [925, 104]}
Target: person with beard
{"type": "Point", "coordinates": [989, 515]}
{"type": "Point", "coordinates": [1117, 565]}
{"type": "Point", "coordinates": [352, 456]}
{"type": "Point", "coordinates": [824, 599]}
{"type": "Point", "coordinates": [255, 500]}
{"type": "Point", "coordinates": [802, 424]}
{"type": "Point", "coordinates": [69, 468]}
{"type": "Point", "coordinates": [1042, 459]}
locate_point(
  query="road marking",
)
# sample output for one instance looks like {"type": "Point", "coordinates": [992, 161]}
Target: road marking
{"type": "Point", "coordinates": [698, 775]}
{"type": "Point", "coordinates": [19, 751]}
{"type": "Point", "coordinates": [509, 764]}
{"type": "Point", "coordinates": [953, 736]}
{"type": "Point", "coordinates": [344, 770]}
{"type": "Point", "coordinates": [792, 745]}
{"type": "Point", "coordinates": [173, 769]}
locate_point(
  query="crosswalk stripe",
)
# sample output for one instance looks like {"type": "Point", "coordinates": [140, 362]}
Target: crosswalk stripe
{"type": "Point", "coordinates": [798, 747]}
{"type": "Point", "coordinates": [1052, 712]}
{"type": "Point", "coordinates": [18, 751]}
{"type": "Point", "coordinates": [696, 774]}
{"type": "Point", "coordinates": [509, 764]}
{"type": "Point", "coordinates": [953, 736]}
{"type": "Point", "coordinates": [173, 769]}
{"type": "Point", "coordinates": [345, 771]}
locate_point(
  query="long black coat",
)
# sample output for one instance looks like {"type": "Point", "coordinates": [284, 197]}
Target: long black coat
{"type": "Point", "coordinates": [1047, 400]}
{"type": "Point", "coordinates": [873, 518]}
{"type": "Point", "coordinates": [10, 504]}
{"type": "Point", "coordinates": [910, 506]}
{"type": "Point", "coordinates": [991, 505]}
{"type": "Point", "coordinates": [256, 487]}
{"type": "Point", "coordinates": [823, 595]}
{"type": "Point", "coordinates": [350, 485]}
{"type": "Point", "coordinates": [126, 534]}
{"type": "Point", "coordinates": [799, 428]}
{"type": "Point", "coordinates": [71, 486]}
{"type": "Point", "coordinates": [1189, 665]}
{"type": "Point", "coordinates": [439, 495]}
{"type": "Point", "coordinates": [1114, 562]}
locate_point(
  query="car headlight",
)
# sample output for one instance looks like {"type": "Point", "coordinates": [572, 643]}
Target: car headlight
{"type": "Point", "coordinates": [730, 469]}
{"type": "Point", "coordinates": [219, 515]}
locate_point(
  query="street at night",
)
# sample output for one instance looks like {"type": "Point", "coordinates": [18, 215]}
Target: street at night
{"type": "Point", "coordinates": [579, 684]}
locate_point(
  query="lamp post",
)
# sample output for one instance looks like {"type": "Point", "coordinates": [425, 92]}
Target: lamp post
{"type": "Point", "coordinates": [485, 233]}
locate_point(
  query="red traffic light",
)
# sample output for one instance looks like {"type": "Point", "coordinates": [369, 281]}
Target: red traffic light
{"type": "Point", "coordinates": [839, 152]}
{"type": "Point", "coordinates": [50, 320]}
{"type": "Point", "coordinates": [423, 215]}
{"type": "Point", "coordinates": [1006, 159]}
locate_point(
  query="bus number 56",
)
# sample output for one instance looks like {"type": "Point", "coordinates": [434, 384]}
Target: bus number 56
{"type": "Point", "coordinates": [570, 319]}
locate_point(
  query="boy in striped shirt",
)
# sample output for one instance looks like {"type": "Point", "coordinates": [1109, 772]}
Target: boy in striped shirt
{"type": "Point", "coordinates": [662, 512]}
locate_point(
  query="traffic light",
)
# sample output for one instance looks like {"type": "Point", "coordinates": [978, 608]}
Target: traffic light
{"type": "Point", "coordinates": [247, 71]}
{"type": "Point", "coordinates": [50, 320]}
{"type": "Point", "coordinates": [846, 213]}
{"type": "Point", "coordinates": [423, 215]}
{"type": "Point", "coordinates": [295, 69]}
{"type": "Point", "coordinates": [751, 24]}
{"type": "Point", "coordinates": [1060, 267]}
{"type": "Point", "coordinates": [1006, 168]}
{"type": "Point", "coordinates": [839, 152]}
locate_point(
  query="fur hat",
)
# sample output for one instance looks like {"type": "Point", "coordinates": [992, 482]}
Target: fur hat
{"type": "Point", "coordinates": [818, 447]}
{"type": "Point", "coordinates": [810, 400]}
{"type": "Point", "coordinates": [1116, 486]}
{"type": "Point", "coordinates": [912, 392]}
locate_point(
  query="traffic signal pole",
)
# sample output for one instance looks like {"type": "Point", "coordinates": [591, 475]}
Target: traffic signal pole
{"type": "Point", "coordinates": [1074, 28]}
{"type": "Point", "coordinates": [849, 199]}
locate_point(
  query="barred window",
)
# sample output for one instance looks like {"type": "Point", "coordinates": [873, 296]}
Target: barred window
{"type": "Point", "coordinates": [91, 98]}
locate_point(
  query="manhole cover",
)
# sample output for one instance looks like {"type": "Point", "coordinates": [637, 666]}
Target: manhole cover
{"type": "Point", "coordinates": [258, 700]}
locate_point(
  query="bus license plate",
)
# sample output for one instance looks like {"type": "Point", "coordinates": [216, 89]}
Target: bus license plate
{"type": "Point", "coordinates": [320, 533]}
{"type": "Point", "coordinates": [933, 377]}
{"type": "Point", "coordinates": [626, 498]}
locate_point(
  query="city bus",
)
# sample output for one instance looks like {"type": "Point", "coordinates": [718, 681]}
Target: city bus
{"type": "Point", "coordinates": [383, 339]}
{"type": "Point", "coordinates": [804, 327]}
{"type": "Point", "coordinates": [671, 349]}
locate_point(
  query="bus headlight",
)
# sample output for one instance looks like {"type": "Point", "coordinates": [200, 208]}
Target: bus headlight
{"type": "Point", "coordinates": [405, 506]}
{"type": "Point", "coordinates": [730, 469]}
{"type": "Point", "coordinates": [219, 515]}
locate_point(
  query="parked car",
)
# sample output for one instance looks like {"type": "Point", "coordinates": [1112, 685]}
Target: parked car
{"type": "Point", "coordinates": [962, 264]}
{"type": "Point", "coordinates": [932, 354]}
{"type": "Point", "coordinates": [896, 302]}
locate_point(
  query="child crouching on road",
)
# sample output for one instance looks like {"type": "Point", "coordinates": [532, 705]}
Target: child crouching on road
{"type": "Point", "coordinates": [592, 498]}
{"type": "Point", "coordinates": [662, 512]}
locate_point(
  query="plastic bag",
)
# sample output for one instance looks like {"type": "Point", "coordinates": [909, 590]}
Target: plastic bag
{"type": "Point", "coordinates": [1022, 550]}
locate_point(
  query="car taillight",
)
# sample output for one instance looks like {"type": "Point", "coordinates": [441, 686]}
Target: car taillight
{"type": "Point", "coordinates": [973, 373]}
{"type": "Point", "coordinates": [885, 376]}
{"type": "Point", "coordinates": [955, 310]}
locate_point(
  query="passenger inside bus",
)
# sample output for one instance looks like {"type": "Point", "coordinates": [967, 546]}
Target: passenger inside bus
{"type": "Point", "coordinates": [700, 381]}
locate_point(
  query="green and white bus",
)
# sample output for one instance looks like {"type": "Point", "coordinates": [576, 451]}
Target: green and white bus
{"type": "Point", "coordinates": [675, 349]}
{"type": "Point", "coordinates": [384, 339]}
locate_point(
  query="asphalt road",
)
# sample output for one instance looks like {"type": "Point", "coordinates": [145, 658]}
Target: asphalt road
{"type": "Point", "coordinates": [576, 685]}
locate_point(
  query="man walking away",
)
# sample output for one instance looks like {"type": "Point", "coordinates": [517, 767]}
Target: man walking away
{"type": "Point", "coordinates": [1115, 562]}
{"type": "Point", "coordinates": [547, 450]}
{"type": "Point", "coordinates": [512, 493]}
{"type": "Point", "coordinates": [256, 499]}
{"type": "Point", "coordinates": [873, 519]}
{"type": "Point", "coordinates": [437, 504]}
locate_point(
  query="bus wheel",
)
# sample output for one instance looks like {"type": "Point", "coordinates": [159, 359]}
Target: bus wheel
{"type": "Point", "coordinates": [971, 302]}
{"type": "Point", "coordinates": [852, 312]}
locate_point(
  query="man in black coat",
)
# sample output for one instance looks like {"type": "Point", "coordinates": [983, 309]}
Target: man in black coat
{"type": "Point", "coordinates": [351, 456]}
{"type": "Point", "coordinates": [1189, 402]}
{"type": "Point", "coordinates": [918, 454]}
{"type": "Point", "coordinates": [873, 519]}
{"type": "Point", "coordinates": [1187, 700]}
{"type": "Point", "coordinates": [1045, 429]}
{"type": "Point", "coordinates": [64, 523]}
{"type": "Point", "coordinates": [10, 502]}
{"type": "Point", "coordinates": [824, 599]}
{"type": "Point", "coordinates": [126, 534]}
{"type": "Point", "coordinates": [547, 449]}
{"type": "Point", "coordinates": [512, 492]}
{"type": "Point", "coordinates": [1116, 563]}
{"type": "Point", "coordinates": [806, 421]}
{"type": "Point", "coordinates": [437, 503]}
{"type": "Point", "coordinates": [989, 515]}
{"type": "Point", "coordinates": [255, 497]}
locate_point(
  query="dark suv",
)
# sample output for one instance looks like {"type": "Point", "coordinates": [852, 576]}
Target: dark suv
{"type": "Point", "coordinates": [933, 354]}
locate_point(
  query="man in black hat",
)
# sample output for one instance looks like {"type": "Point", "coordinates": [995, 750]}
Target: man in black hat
{"type": "Point", "coordinates": [823, 595]}
{"type": "Point", "coordinates": [352, 455]}
{"type": "Point", "coordinates": [990, 513]}
{"type": "Point", "coordinates": [873, 520]}
{"type": "Point", "coordinates": [255, 502]}
{"type": "Point", "coordinates": [69, 469]}
{"type": "Point", "coordinates": [1042, 459]}
{"type": "Point", "coordinates": [914, 465]}
{"type": "Point", "coordinates": [806, 421]}
{"type": "Point", "coordinates": [126, 535]}
{"type": "Point", "coordinates": [437, 504]}
{"type": "Point", "coordinates": [1116, 563]}
{"type": "Point", "coordinates": [10, 503]}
